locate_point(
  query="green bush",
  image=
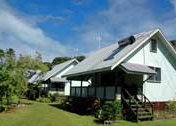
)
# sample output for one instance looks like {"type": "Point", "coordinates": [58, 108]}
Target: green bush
{"type": "Point", "coordinates": [110, 111]}
{"type": "Point", "coordinates": [3, 108]}
{"type": "Point", "coordinates": [32, 94]}
{"type": "Point", "coordinates": [79, 105]}
{"type": "Point", "coordinates": [56, 97]}
{"type": "Point", "coordinates": [171, 106]}
{"type": "Point", "coordinates": [15, 99]}
{"type": "Point", "coordinates": [43, 100]}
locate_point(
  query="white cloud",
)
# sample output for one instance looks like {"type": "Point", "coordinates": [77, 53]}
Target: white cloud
{"type": "Point", "coordinates": [123, 18]}
{"type": "Point", "coordinates": [16, 33]}
{"type": "Point", "coordinates": [174, 3]}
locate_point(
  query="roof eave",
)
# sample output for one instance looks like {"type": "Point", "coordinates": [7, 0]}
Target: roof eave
{"type": "Point", "coordinates": [87, 72]}
{"type": "Point", "coordinates": [74, 60]}
{"type": "Point", "coordinates": [169, 45]}
{"type": "Point", "coordinates": [137, 73]}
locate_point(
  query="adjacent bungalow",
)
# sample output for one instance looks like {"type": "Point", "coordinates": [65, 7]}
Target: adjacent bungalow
{"type": "Point", "coordinates": [55, 83]}
{"type": "Point", "coordinates": [139, 70]}
{"type": "Point", "coordinates": [35, 78]}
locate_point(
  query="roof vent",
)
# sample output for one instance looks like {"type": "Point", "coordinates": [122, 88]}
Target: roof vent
{"type": "Point", "coordinates": [126, 41]}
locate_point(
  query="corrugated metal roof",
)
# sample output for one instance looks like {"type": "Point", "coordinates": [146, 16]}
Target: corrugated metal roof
{"type": "Point", "coordinates": [137, 68]}
{"type": "Point", "coordinates": [101, 60]}
{"type": "Point", "coordinates": [36, 77]}
{"type": "Point", "coordinates": [58, 68]}
{"type": "Point", "coordinates": [58, 79]}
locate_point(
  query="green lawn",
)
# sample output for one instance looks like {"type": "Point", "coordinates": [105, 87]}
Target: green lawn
{"type": "Point", "coordinates": [41, 114]}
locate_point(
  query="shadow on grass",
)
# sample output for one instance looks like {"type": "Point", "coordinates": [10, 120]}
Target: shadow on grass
{"type": "Point", "coordinates": [76, 110]}
{"type": "Point", "coordinates": [97, 121]}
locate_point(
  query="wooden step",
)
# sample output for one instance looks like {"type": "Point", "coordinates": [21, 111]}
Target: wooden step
{"type": "Point", "coordinates": [135, 106]}
{"type": "Point", "coordinates": [144, 113]}
{"type": "Point", "coordinates": [140, 109]}
{"type": "Point", "coordinates": [145, 117]}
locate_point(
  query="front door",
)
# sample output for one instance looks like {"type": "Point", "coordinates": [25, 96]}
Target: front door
{"type": "Point", "coordinates": [130, 91]}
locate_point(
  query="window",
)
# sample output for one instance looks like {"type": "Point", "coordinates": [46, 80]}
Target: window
{"type": "Point", "coordinates": [157, 76]}
{"type": "Point", "coordinates": [57, 85]}
{"type": "Point", "coordinates": [153, 45]}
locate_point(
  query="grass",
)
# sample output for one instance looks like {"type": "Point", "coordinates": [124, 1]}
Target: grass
{"type": "Point", "coordinates": [42, 114]}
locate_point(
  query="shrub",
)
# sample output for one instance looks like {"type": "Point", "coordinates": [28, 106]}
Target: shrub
{"type": "Point", "coordinates": [43, 100]}
{"type": "Point", "coordinates": [15, 99]}
{"type": "Point", "coordinates": [171, 106]}
{"type": "Point", "coordinates": [3, 108]}
{"type": "Point", "coordinates": [97, 104]}
{"type": "Point", "coordinates": [32, 94]}
{"type": "Point", "coordinates": [56, 97]}
{"type": "Point", "coordinates": [109, 111]}
{"type": "Point", "coordinates": [79, 105]}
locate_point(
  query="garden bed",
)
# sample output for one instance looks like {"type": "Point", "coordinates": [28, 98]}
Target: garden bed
{"type": "Point", "coordinates": [164, 116]}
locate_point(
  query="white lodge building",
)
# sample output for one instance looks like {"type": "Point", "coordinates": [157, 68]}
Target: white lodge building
{"type": "Point", "coordinates": [54, 82]}
{"type": "Point", "coordinates": [141, 67]}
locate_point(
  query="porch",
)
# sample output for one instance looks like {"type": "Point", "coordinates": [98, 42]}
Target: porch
{"type": "Point", "coordinates": [124, 83]}
{"type": "Point", "coordinates": [102, 92]}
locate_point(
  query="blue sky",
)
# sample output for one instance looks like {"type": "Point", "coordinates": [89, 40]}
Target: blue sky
{"type": "Point", "coordinates": [58, 27]}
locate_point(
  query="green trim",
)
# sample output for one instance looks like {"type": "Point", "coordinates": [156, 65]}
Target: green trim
{"type": "Point", "coordinates": [154, 81]}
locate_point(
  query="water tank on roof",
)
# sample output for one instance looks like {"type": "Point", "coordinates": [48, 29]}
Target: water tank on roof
{"type": "Point", "coordinates": [126, 41]}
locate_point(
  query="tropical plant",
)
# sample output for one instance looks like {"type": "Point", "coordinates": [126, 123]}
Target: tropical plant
{"type": "Point", "coordinates": [171, 106]}
{"type": "Point", "coordinates": [109, 111]}
{"type": "Point", "coordinates": [13, 81]}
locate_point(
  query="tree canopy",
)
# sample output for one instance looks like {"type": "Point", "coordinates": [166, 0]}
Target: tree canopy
{"type": "Point", "coordinates": [173, 42]}
{"type": "Point", "coordinates": [13, 79]}
{"type": "Point", "coordinates": [15, 71]}
{"type": "Point", "coordinates": [58, 60]}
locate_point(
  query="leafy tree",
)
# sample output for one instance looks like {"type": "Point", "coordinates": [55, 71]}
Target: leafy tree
{"type": "Point", "coordinates": [59, 60]}
{"type": "Point", "coordinates": [38, 64]}
{"type": "Point", "coordinates": [6, 84]}
{"type": "Point", "coordinates": [27, 63]}
{"type": "Point", "coordinates": [13, 81]}
{"type": "Point", "coordinates": [20, 84]}
{"type": "Point", "coordinates": [10, 59]}
{"type": "Point", "coordinates": [48, 64]}
{"type": "Point", "coordinates": [173, 42]}
{"type": "Point", "coordinates": [80, 58]}
{"type": "Point", "coordinates": [2, 56]}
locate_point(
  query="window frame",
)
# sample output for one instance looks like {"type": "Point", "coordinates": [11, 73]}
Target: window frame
{"type": "Point", "coordinates": [151, 45]}
{"type": "Point", "coordinates": [154, 77]}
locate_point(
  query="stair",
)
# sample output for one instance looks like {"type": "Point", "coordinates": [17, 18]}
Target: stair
{"type": "Point", "coordinates": [143, 113]}
{"type": "Point", "coordinates": [135, 110]}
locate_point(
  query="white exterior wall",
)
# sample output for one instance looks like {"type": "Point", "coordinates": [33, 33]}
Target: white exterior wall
{"type": "Point", "coordinates": [67, 85]}
{"type": "Point", "coordinates": [58, 92]}
{"type": "Point", "coordinates": [64, 71]}
{"type": "Point", "coordinates": [166, 89]}
{"type": "Point", "coordinates": [74, 84]}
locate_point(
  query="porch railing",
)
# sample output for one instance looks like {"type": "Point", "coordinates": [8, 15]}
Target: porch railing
{"type": "Point", "coordinates": [102, 92]}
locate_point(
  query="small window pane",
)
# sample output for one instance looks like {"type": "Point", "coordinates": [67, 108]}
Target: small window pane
{"type": "Point", "coordinates": [153, 45]}
{"type": "Point", "coordinates": [157, 76]}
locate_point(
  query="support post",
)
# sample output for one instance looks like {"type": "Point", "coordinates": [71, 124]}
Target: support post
{"type": "Point", "coordinates": [115, 86]}
{"type": "Point", "coordinates": [70, 88]}
{"type": "Point", "coordinates": [104, 91]}
{"type": "Point", "coordinates": [81, 88]}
